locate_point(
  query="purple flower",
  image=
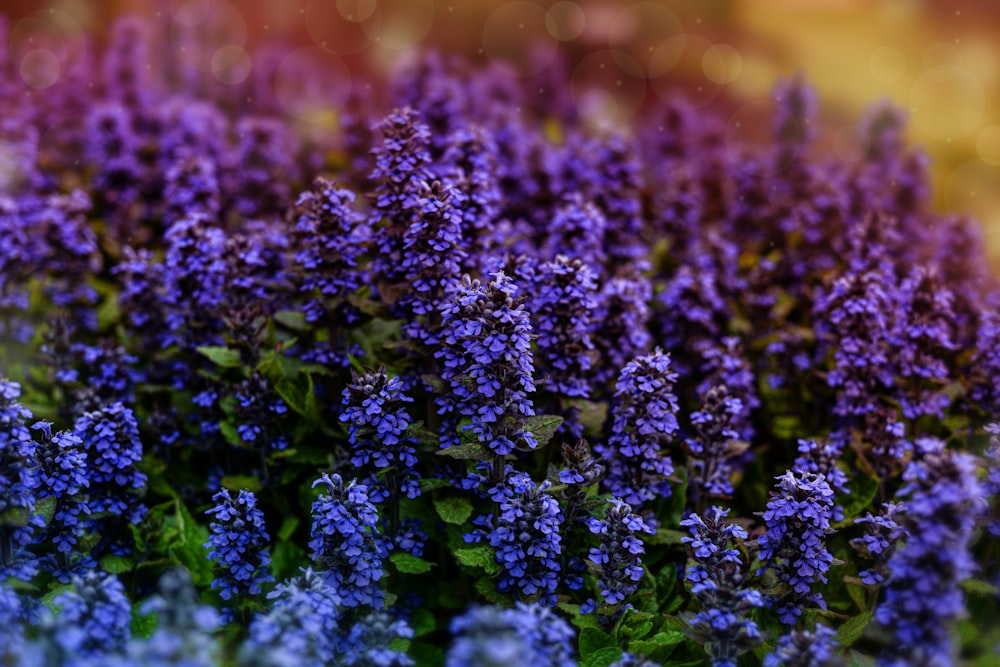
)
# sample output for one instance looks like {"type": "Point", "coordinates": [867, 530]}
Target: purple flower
{"type": "Point", "coordinates": [644, 423]}
{"type": "Point", "coordinates": [719, 582]}
{"type": "Point", "coordinates": [923, 596]}
{"type": "Point", "coordinates": [239, 545]}
{"type": "Point", "coordinates": [798, 520]}
{"type": "Point", "coordinates": [95, 616]}
{"type": "Point", "coordinates": [617, 562]}
{"type": "Point", "coordinates": [802, 648]}
{"type": "Point", "coordinates": [347, 547]}
{"type": "Point", "coordinates": [495, 637]}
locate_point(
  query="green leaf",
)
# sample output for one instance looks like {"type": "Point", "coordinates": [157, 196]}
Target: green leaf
{"type": "Point", "coordinates": [241, 482]}
{"type": "Point", "coordinates": [116, 564]}
{"type": "Point", "coordinates": [657, 642]}
{"type": "Point", "coordinates": [856, 659]}
{"type": "Point", "coordinates": [293, 319]}
{"type": "Point", "coordinates": [478, 557]}
{"type": "Point", "coordinates": [188, 545]}
{"type": "Point", "coordinates": [543, 427]}
{"type": "Point", "coordinates": [288, 527]}
{"type": "Point", "coordinates": [667, 536]}
{"type": "Point", "coordinates": [46, 508]}
{"type": "Point", "coordinates": [853, 628]}
{"type": "Point", "coordinates": [603, 657]}
{"type": "Point", "coordinates": [862, 491]}
{"type": "Point", "coordinates": [221, 356]}
{"type": "Point", "coordinates": [453, 509]}
{"type": "Point", "coordinates": [229, 432]}
{"type": "Point", "coordinates": [410, 564]}
{"type": "Point", "coordinates": [592, 640]}
{"type": "Point", "coordinates": [142, 626]}
{"type": "Point", "coordinates": [300, 396]}
{"type": "Point", "coordinates": [422, 622]}
{"type": "Point", "coordinates": [980, 587]}
{"type": "Point", "coordinates": [469, 451]}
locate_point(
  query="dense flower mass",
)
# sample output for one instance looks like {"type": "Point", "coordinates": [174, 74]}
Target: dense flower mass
{"type": "Point", "coordinates": [719, 581]}
{"type": "Point", "coordinates": [239, 544]}
{"type": "Point", "coordinates": [798, 520]}
{"type": "Point", "coordinates": [943, 500]}
{"type": "Point", "coordinates": [394, 308]}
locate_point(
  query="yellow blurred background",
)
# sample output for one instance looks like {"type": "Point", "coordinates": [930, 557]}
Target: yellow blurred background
{"type": "Point", "coordinates": [938, 60]}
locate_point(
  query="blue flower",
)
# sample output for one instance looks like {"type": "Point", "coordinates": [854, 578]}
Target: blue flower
{"type": "Point", "coordinates": [798, 520]}
{"type": "Point", "coordinates": [719, 582]}
{"type": "Point", "coordinates": [487, 361]}
{"type": "Point", "coordinates": [238, 544]}
{"type": "Point", "coordinates": [617, 562]}
{"type": "Point", "coordinates": [495, 637]}
{"type": "Point", "coordinates": [923, 596]}
{"type": "Point", "coordinates": [802, 648]}
{"type": "Point", "coordinates": [95, 616]}
{"type": "Point", "coordinates": [644, 423]}
{"type": "Point", "coordinates": [347, 547]}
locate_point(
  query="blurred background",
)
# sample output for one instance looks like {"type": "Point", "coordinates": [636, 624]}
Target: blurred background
{"type": "Point", "coordinates": [940, 61]}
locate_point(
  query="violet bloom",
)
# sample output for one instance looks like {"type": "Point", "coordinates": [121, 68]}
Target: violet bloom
{"type": "Point", "coordinates": [923, 592]}
{"type": "Point", "coordinates": [644, 424]}
{"type": "Point", "coordinates": [802, 648]}
{"type": "Point", "coordinates": [882, 533]}
{"type": "Point", "coordinates": [798, 520]}
{"type": "Point", "coordinates": [617, 562]}
{"type": "Point", "coordinates": [239, 545]}
{"type": "Point", "coordinates": [527, 540]}
{"type": "Point", "coordinates": [713, 452]}
{"type": "Point", "coordinates": [486, 354]}
{"type": "Point", "coordinates": [497, 637]}
{"type": "Point", "coordinates": [719, 582]}
{"type": "Point", "coordinates": [19, 483]}
{"type": "Point", "coordinates": [95, 616]}
{"type": "Point", "coordinates": [347, 547]}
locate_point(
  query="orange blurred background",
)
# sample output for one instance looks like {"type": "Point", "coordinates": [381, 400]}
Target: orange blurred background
{"type": "Point", "coordinates": [938, 60]}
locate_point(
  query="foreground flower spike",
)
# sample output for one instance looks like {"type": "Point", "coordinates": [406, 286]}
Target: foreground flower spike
{"type": "Point", "coordinates": [802, 648]}
{"type": "Point", "coordinates": [111, 439]}
{"type": "Point", "coordinates": [487, 361]}
{"type": "Point", "coordinates": [617, 562]}
{"type": "Point", "coordinates": [63, 469]}
{"type": "Point", "coordinates": [821, 458]}
{"type": "Point", "coordinates": [95, 616]}
{"type": "Point", "coordinates": [369, 640]}
{"type": "Point", "coordinates": [239, 545]}
{"type": "Point", "coordinates": [882, 532]}
{"type": "Point", "coordinates": [644, 424]}
{"type": "Point", "coordinates": [19, 481]}
{"type": "Point", "coordinates": [377, 420]}
{"type": "Point", "coordinates": [497, 637]}
{"type": "Point", "coordinates": [719, 582]}
{"type": "Point", "coordinates": [527, 541]}
{"type": "Point", "coordinates": [184, 628]}
{"type": "Point", "coordinates": [798, 520]}
{"type": "Point", "coordinates": [331, 237]}
{"type": "Point", "coordinates": [347, 547]}
{"type": "Point", "coordinates": [923, 595]}
{"type": "Point", "coordinates": [301, 627]}
{"type": "Point", "coordinates": [713, 450]}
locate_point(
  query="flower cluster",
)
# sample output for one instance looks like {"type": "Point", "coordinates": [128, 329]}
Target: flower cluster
{"type": "Point", "coordinates": [617, 562]}
{"type": "Point", "coordinates": [645, 422]}
{"type": "Point", "coordinates": [526, 538]}
{"type": "Point", "coordinates": [377, 421]}
{"type": "Point", "coordinates": [882, 533]}
{"type": "Point", "coordinates": [95, 616]}
{"type": "Point", "coordinates": [486, 354]}
{"type": "Point", "coordinates": [923, 595]}
{"type": "Point", "coordinates": [719, 582]}
{"type": "Point", "coordinates": [802, 648]}
{"type": "Point", "coordinates": [716, 445]}
{"type": "Point", "coordinates": [491, 636]}
{"type": "Point", "coordinates": [347, 547]}
{"type": "Point", "coordinates": [798, 520]}
{"type": "Point", "coordinates": [239, 544]}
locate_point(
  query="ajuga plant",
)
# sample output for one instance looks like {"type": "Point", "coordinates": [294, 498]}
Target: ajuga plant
{"type": "Point", "coordinates": [393, 311]}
